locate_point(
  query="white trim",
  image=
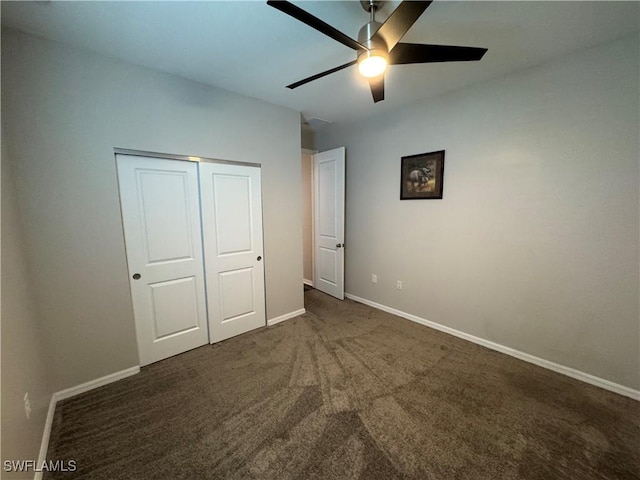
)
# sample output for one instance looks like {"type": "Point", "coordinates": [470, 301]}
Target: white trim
{"type": "Point", "coordinates": [98, 382]}
{"type": "Point", "coordinates": [286, 316]}
{"type": "Point", "coordinates": [44, 445]}
{"type": "Point", "coordinates": [71, 392]}
{"type": "Point", "coordinates": [311, 154]}
{"type": "Point", "coordinates": [541, 362]}
{"type": "Point", "coordinates": [312, 200]}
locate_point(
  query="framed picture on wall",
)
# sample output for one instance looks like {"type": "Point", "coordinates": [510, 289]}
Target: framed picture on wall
{"type": "Point", "coordinates": [421, 176]}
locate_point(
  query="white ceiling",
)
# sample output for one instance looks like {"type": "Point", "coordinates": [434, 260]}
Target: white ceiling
{"type": "Point", "coordinates": [253, 49]}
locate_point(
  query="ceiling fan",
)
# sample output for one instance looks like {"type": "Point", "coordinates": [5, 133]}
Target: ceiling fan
{"type": "Point", "coordinates": [379, 44]}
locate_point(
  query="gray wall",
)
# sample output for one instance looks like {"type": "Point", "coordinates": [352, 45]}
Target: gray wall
{"type": "Point", "coordinates": [65, 111]}
{"type": "Point", "coordinates": [535, 244]}
{"type": "Point", "coordinates": [25, 358]}
{"type": "Point", "coordinates": [307, 137]}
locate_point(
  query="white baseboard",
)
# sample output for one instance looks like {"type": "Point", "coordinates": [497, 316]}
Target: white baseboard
{"type": "Point", "coordinates": [71, 392]}
{"type": "Point", "coordinates": [98, 382]}
{"type": "Point", "coordinates": [286, 316]}
{"type": "Point", "coordinates": [541, 362]}
{"type": "Point", "coordinates": [307, 282]}
{"type": "Point", "coordinates": [44, 445]}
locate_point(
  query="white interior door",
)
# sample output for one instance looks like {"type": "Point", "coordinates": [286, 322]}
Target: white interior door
{"type": "Point", "coordinates": [232, 226]}
{"type": "Point", "coordinates": [329, 222]}
{"type": "Point", "coordinates": [161, 218]}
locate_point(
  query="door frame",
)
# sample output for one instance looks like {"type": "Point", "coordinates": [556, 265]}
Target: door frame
{"type": "Point", "coordinates": [312, 194]}
{"type": "Point", "coordinates": [124, 152]}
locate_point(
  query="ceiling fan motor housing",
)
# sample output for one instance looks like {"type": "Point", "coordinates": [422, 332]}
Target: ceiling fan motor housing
{"type": "Point", "coordinates": [376, 45]}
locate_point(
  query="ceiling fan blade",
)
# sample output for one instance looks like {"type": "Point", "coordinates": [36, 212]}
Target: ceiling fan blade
{"type": "Point", "coordinates": [404, 53]}
{"type": "Point", "coordinates": [400, 20]}
{"type": "Point", "coordinates": [315, 23]}
{"type": "Point", "coordinates": [377, 88]}
{"type": "Point", "coordinates": [320, 75]}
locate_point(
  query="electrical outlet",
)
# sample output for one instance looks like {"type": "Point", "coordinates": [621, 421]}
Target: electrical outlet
{"type": "Point", "coordinates": [374, 278]}
{"type": "Point", "coordinates": [27, 405]}
{"type": "Point", "coordinates": [399, 284]}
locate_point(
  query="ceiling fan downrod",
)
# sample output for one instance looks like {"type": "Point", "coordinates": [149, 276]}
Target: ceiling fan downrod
{"type": "Point", "coordinates": [371, 6]}
{"type": "Point", "coordinates": [369, 29]}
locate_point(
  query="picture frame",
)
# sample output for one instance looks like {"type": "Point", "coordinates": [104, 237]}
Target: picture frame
{"type": "Point", "coordinates": [421, 176]}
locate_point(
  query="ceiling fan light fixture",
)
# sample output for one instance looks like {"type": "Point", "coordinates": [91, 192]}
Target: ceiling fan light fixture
{"type": "Point", "coordinates": [372, 63]}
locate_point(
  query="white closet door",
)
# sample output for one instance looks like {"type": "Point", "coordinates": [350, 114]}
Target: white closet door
{"type": "Point", "coordinates": [329, 222]}
{"type": "Point", "coordinates": [161, 218]}
{"type": "Point", "coordinates": [232, 230]}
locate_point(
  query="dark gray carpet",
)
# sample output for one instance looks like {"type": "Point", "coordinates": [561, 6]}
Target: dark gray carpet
{"type": "Point", "coordinates": [347, 392]}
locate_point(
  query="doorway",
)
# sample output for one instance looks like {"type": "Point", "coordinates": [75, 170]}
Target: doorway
{"type": "Point", "coordinates": [323, 190]}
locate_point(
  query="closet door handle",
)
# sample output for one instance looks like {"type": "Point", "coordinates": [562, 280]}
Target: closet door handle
{"type": "Point", "coordinates": [259, 258]}
{"type": "Point", "coordinates": [136, 276]}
